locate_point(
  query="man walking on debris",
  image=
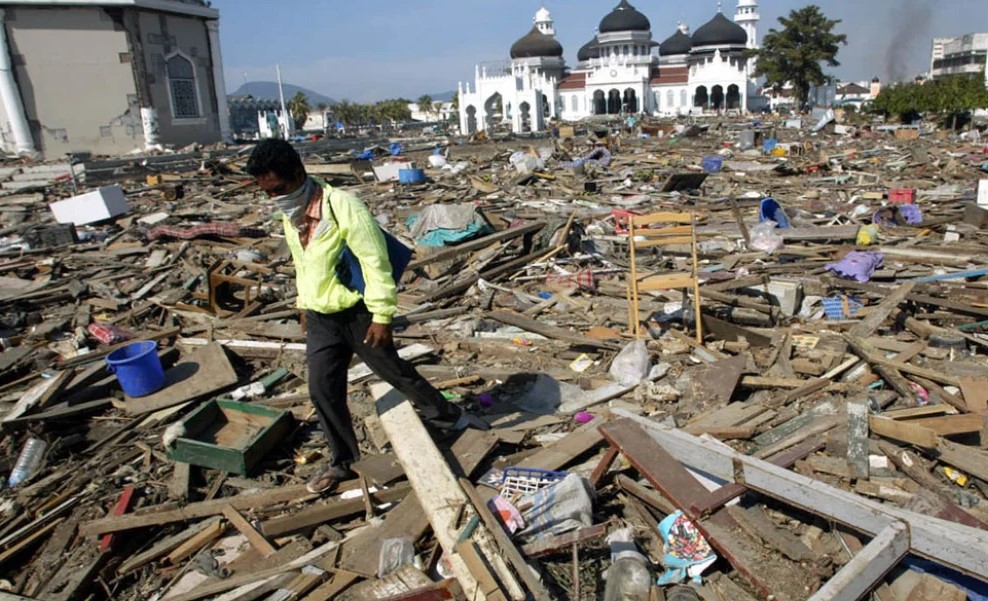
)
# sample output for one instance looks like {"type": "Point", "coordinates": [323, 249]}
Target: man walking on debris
{"type": "Point", "coordinates": [319, 220]}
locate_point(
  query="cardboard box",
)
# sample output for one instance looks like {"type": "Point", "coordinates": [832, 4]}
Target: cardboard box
{"type": "Point", "coordinates": [907, 133]}
{"type": "Point", "coordinates": [92, 207]}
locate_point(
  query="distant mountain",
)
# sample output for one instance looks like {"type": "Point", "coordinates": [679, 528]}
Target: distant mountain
{"type": "Point", "coordinates": [268, 90]}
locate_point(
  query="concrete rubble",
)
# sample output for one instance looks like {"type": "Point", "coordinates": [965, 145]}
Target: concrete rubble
{"type": "Point", "coordinates": [826, 439]}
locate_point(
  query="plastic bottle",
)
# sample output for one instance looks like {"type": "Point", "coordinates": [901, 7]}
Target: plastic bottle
{"type": "Point", "coordinates": [628, 578]}
{"type": "Point", "coordinates": [28, 461]}
{"type": "Point", "coordinates": [682, 593]}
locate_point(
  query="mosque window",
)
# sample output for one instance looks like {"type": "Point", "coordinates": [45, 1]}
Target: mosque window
{"type": "Point", "coordinates": [576, 103]}
{"type": "Point", "coordinates": [182, 87]}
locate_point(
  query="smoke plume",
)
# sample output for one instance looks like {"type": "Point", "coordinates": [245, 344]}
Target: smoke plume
{"type": "Point", "coordinates": [909, 25]}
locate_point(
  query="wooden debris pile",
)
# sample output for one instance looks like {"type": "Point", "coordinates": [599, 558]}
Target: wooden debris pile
{"type": "Point", "coordinates": [827, 439]}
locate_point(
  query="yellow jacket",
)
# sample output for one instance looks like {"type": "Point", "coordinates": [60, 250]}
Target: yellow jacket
{"type": "Point", "coordinates": [319, 289]}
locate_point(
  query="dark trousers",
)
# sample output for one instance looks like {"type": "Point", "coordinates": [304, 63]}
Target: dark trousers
{"type": "Point", "coordinates": [331, 341]}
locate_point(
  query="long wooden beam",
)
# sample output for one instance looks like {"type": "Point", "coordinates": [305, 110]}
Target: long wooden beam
{"type": "Point", "coordinates": [867, 568]}
{"type": "Point", "coordinates": [959, 547]}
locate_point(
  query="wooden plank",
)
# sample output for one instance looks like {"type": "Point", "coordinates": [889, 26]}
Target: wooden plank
{"type": "Point", "coordinates": [967, 459]}
{"type": "Point", "coordinates": [477, 563]}
{"type": "Point", "coordinates": [951, 424]}
{"type": "Point", "coordinates": [550, 544]}
{"type": "Point", "coordinates": [178, 486]}
{"type": "Point", "coordinates": [471, 448]}
{"type": "Point", "coordinates": [206, 372]}
{"type": "Point", "coordinates": [857, 438]}
{"type": "Point", "coordinates": [879, 314]}
{"type": "Point", "coordinates": [328, 511]}
{"type": "Point", "coordinates": [756, 523]}
{"type": "Point", "coordinates": [553, 332]}
{"type": "Point", "coordinates": [729, 492]}
{"type": "Point", "coordinates": [192, 546]}
{"type": "Point", "coordinates": [950, 544]}
{"type": "Point", "coordinates": [434, 483]}
{"type": "Point", "coordinates": [564, 451]}
{"type": "Point", "coordinates": [407, 520]}
{"type": "Point", "coordinates": [166, 515]}
{"type": "Point", "coordinates": [869, 567]}
{"type": "Point", "coordinates": [255, 538]}
{"type": "Point", "coordinates": [329, 590]}
{"type": "Point", "coordinates": [903, 431]}
{"type": "Point", "coordinates": [163, 547]}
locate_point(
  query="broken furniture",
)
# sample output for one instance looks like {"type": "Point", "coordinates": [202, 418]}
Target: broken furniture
{"type": "Point", "coordinates": [229, 435]}
{"type": "Point", "coordinates": [640, 236]}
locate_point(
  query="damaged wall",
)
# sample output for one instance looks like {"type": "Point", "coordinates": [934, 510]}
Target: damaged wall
{"type": "Point", "coordinates": [82, 89]}
{"type": "Point", "coordinates": [162, 36]}
{"type": "Point", "coordinates": [72, 68]}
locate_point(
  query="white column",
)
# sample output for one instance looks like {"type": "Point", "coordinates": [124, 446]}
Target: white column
{"type": "Point", "coordinates": [219, 82]}
{"type": "Point", "coordinates": [10, 95]}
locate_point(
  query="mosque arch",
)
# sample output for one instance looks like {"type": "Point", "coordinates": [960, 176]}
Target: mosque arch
{"type": "Point", "coordinates": [493, 110]}
{"type": "Point", "coordinates": [525, 112]}
{"type": "Point", "coordinates": [700, 97]}
{"type": "Point", "coordinates": [683, 97]}
{"type": "Point", "coordinates": [471, 119]}
{"type": "Point", "coordinates": [576, 103]}
{"type": "Point", "coordinates": [599, 103]}
{"type": "Point", "coordinates": [670, 99]}
{"type": "Point", "coordinates": [733, 96]}
{"type": "Point", "coordinates": [614, 102]}
{"type": "Point", "coordinates": [630, 103]}
{"type": "Point", "coordinates": [546, 109]}
{"type": "Point", "coordinates": [717, 97]}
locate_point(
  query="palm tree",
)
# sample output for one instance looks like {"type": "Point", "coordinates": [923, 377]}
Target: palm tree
{"type": "Point", "coordinates": [426, 105]}
{"type": "Point", "coordinates": [299, 108]}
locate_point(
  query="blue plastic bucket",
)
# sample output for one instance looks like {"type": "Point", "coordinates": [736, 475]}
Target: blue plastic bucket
{"type": "Point", "coordinates": [712, 164]}
{"type": "Point", "coordinates": [771, 210]}
{"type": "Point", "coordinates": [138, 368]}
{"type": "Point", "coordinates": [411, 176]}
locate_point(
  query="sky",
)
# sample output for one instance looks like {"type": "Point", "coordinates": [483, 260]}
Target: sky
{"type": "Point", "coordinates": [378, 49]}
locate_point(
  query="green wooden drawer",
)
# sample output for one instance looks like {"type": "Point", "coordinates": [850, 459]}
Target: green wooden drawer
{"type": "Point", "coordinates": [230, 436]}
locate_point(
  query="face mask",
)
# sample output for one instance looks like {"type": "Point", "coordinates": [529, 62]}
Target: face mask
{"type": "Point", "coordinates": [292, 202]}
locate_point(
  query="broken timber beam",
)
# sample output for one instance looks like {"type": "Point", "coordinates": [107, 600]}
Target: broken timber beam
{"type": "Point", "coordinates": [435, 485]}
{"type": "Point", "coordinates": [468, 247]}
{"type": "Point", "coordinates": [867, 568]}
{"type": "Point", "coordinates": [959, 547]}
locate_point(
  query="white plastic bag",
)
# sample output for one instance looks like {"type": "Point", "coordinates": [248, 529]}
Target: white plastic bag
{"type": "Point", "coordinates": [765, 238]}
{"type": "Point", "coordinates": [632, 364]}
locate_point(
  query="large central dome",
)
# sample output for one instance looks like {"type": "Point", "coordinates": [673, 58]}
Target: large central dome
{"type": "Point", "coordinates": [536, 44]}
{"type": "Point", "coordinates": [720, 31]}
{"type": "Point", "coordinates": [624, 17]}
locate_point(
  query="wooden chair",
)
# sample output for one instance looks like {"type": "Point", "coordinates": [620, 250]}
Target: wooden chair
{"type": "Point", "coordinates": [679, 229]}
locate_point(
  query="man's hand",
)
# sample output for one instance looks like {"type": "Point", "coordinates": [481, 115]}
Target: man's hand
{"type": "Point", "coordinates": [378, 335]}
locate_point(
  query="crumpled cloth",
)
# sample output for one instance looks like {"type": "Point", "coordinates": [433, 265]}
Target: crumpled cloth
{"type": "Point", "coordinates": [857, 265]}
{"type": "Point", "coordinates": [599, 155]}
{"type": "Point", "coordinates": [898, 215]}
{"type": "Point", "coordinates": [220, 230]}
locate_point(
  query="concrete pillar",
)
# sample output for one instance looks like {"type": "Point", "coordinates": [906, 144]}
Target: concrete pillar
{"type": "Point", "coordinates": [10, 95]}
{"type": "Point", "coordinates": [219, 82]}
{"type": "Point", "coordinates": [152, 131]}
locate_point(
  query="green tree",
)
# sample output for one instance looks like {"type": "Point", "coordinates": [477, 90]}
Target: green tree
{"type": "Point", "coordinates": [948, 98]}
{"type": "Point", "coordinates": [796, 53]}
{"type": "Point", "coordinates": [346, 111]}
{"type": "Point", "coordinates": [426, 105]}
{"type": "Point", "coordinates": [299, 108]}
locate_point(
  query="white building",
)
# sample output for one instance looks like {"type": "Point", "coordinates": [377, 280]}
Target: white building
{"type": "Point", "coordinates": [965, 55]}
{"type": "Point", "coordinates": [441, 111]}
{"type": "Point", "coordinates": [618, 72]}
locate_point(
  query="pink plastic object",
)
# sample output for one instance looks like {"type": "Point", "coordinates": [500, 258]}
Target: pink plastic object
{"type": "Point", "coordinates": [583, 417]}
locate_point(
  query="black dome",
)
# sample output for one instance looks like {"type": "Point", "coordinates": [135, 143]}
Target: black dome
{"type": "Point", "coordinates": [678, 43]}
{"type": "Point", "coordinates": [624, 17]}
{"type": "Point", "coordinates": [719, 31]}
{"type": "Point", "coordinates": [589, 50]}
{"type": "Point", "coordinates": [536, 44]}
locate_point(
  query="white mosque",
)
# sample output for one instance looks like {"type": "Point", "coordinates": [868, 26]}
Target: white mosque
{"type": "Point", "coordinates": [617, 72]}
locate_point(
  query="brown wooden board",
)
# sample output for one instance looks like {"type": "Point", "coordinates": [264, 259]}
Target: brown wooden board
{"type": "Point", "coordinates": [360, 554]}
{"type": "Point", "coordinates": [207, 372]}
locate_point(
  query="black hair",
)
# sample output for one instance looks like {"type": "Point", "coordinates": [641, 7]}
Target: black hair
{"type": "Point", "coordinates": [275, 156]}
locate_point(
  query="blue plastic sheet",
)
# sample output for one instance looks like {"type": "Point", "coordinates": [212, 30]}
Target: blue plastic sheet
{"type": "Point", "coordinates": [857, 265]}
{"type": "Point", "coordinates": [395, 149]}
{"type": "Point", "coordinates": [771, 210]}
